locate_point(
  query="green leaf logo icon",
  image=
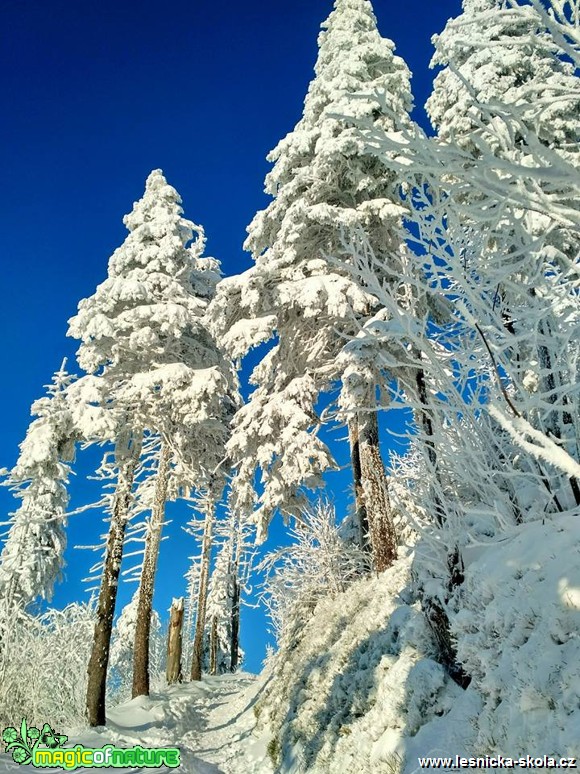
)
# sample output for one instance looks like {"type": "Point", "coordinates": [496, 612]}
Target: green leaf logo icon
{"type": "Point", "coordinates": [23, 745]}
{"type": "Point", "coordinates": [50, 738]}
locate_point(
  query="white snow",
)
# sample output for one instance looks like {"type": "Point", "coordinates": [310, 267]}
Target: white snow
{"type": "Point", "coordinates": [356, 682]}
{"type": "Point", "coordinates": [355, 686]}
{"type": "Point", "coordinates": [210, 722]}
{"type": "Point", "coordinates": [518, 637]}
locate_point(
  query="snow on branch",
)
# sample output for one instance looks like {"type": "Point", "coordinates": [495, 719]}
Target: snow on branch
{"type": "Point", "coordinates": [540, 446]}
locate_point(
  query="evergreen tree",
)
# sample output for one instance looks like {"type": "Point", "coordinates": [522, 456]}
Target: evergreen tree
{"type": "Point", "coordinates": [32, 557]}
{"type": "Point", "coordinates": [491, 199]}
{"type": "Point", "coordinates": [325, 184]}
{"type": "Point", "coordinates": [222, 652]}
{"type": "Point", "coordinates": [206, 505]}
{"type": "Point", "coordinates": [218, 635]}
{"type": "Point", "coordinates": [157, 367]}
{"type": "Point", "coordinates": [500, 53]}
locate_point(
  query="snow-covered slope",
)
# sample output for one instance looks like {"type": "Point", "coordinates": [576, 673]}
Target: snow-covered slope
{"type": "Point", "coordinates": [519, 636]}
{"type": "Point", "coordinates": [348, 689]}
{"type": "Point", "coordinates": [357, 688]}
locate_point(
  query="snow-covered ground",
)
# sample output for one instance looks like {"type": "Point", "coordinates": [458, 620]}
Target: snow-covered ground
{"type": "Point", "coordinates": [356, 682]}
{"type": "Point", "coordinates": [211, 723]}
{"type": "Point", "coordinates": [357, 688]}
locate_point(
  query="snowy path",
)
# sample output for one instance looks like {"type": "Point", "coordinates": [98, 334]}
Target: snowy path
{"type": "Point", "coordinates": [211, 723]}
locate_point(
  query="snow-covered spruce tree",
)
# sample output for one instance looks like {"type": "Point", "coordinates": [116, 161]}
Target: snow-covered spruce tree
{"type": "Point", "coordinates": [191, 407]}
{"type": "Point", "coordinates": [510, 90]}
{"type": "Point", "coordinates": [477, 200]}
{"type": "Point", "coordinates": [222, 651]}
{"type": "Point", "coordinates": [192, 577]}
{"type": "Point", "coordinates": [159, 370]}
{"type": "Point", "coordinates": [206, 505]}
{"type": "Point", "coordinates": [494, 200]}
{"type": "Point", "coordinates": [324, 184]}
{"type": "Point", "coordinates": [217, 638]}
{"type": "Point", "coordinates": [218, 585]}
{"type": "Point", "coordinates": [242, 554]}
{"type": "Point", "coordinates": [189, 398]}
{"type": "Point", "coordinates": [32, 556]}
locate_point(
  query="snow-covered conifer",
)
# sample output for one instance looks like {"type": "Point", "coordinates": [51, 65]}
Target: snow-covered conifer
{"type": "Point", "coordinates": [32, 556]}
{"type": "Point", "coordinates": [144, 338]}
{"type": "Point", "coordinates": [217, 640]}
{"type": "Point", "coordinates": [324, 185]}
{"type": "Point", "coordinates": [493, 202]}
{"type": "Point", "coordinates": [206, 506]}
{"type": "Point", "coordinates": [192, 577]}
{"type": "Point", "coordinates": [222, 650]}
{"type": "Point", "coordinates": [495, 53]}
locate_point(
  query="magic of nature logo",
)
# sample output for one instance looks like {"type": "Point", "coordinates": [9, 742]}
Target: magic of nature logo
{"type": "Point", "coordinates": [44, 748]}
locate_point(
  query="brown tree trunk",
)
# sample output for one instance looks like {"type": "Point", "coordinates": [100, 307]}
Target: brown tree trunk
{"type": "Point", "coordinates": [174, 672]}
{"type": "Point", "coordinates": [197, 654]}
{"type": "Point", "coordinates": [213, 647]}
{"type": "Point", "coordinates": [127, 458]}
{"type": "Point", "coordinates": [237, 544]}
{"type": "Point", "coordinates": [439, 623]}
{"type": "Point", "coordinates": [427, 425]}
{"type": "Point", "coordinates": [434, 611]}
{"type": "Point", "coordinates": [360, 507]}
{"type": "Point", "coordinates": [235, 623]}
{"type": "Point", "coordinates": [147, 582]}
{"type": "Point", "coordinates": [376, 494]}
{"type": "Point", "coordinates": [556, 422]}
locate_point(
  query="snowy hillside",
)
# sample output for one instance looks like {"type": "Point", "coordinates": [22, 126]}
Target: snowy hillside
{"type": "Point", "coordinates": [358, 686]}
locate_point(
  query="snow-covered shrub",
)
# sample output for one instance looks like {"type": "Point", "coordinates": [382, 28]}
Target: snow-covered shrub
{"type": "Point", "coordinates": [43, 667]}
{"type": "Point", "coordinates": [317, 564]}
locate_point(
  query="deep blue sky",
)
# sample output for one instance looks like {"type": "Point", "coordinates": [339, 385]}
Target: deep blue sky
{"type": "Point", "coordinates": [94, 96]}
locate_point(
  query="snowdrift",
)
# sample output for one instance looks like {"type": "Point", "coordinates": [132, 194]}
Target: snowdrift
{"type": "Point", "coordinates": [358, 688]}
{"type": "Point", "coordinates": [356, 681]}
{"type": "Point", "coordinates": [519, 636]}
